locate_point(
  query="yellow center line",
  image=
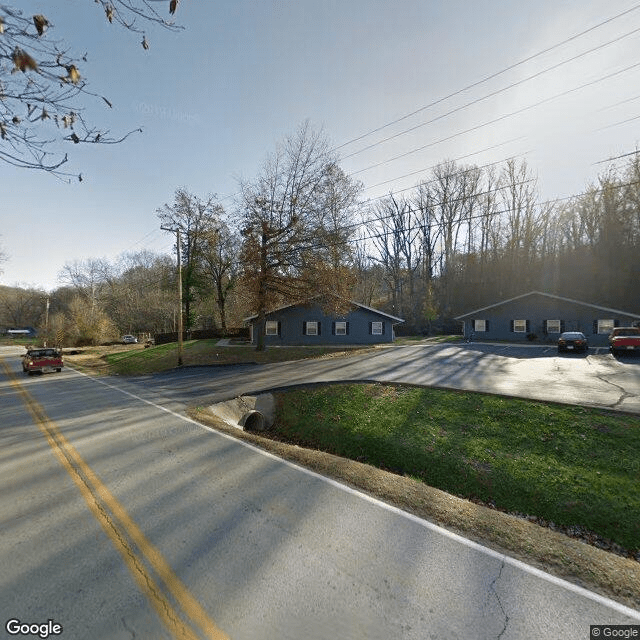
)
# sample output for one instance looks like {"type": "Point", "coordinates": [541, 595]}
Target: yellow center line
{"type": "Point", "coordinates": [121, 529]}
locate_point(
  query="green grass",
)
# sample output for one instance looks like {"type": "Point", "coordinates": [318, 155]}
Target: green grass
{"type": "Point", "coordinates": [568, 465]}
{"type": "Point", "coordinates": [204, 352]}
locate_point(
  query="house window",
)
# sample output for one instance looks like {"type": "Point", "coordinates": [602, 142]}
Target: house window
{"type": "Point", "coordinates": [520, 326]}
{"type": "Point", "coordinates": [480, 325]}
{"type": "Point", "coordinates": [271, 328]}
{"type": "Point", "coordinates": [340, 328]}
{"type": "Point", "coordinates": [311, 328]}
{"type": "Point", "coordinates": [376, 328]}
{"type": "Point", "coordinates": [553, 326]}
{"type": "Point", "coordinates": [606, 326]}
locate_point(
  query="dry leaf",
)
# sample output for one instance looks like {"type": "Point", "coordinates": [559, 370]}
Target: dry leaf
{"type": "Point", "coordinates": [109, 11]}
{"type": "Point", "coordinates": [75, 138]}
{"type": "Point", "coordinates": [41, 23]}
{"type": "Point", "coordinates": [23, 61]}
{"type": "Point", "coordinates": [1, 25]}
{"type": "Point", "coordinates": [173, 5]}
{"type": "Point", "coordinates": [145, 43]}
{"type": "Point", "coordinates": [74, 74]}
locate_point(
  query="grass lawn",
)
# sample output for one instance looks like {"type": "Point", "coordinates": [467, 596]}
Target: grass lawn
{"type": "Point", "coordinates": [572, 466]}
{"type": "Point", "coordinates": [135, 359]}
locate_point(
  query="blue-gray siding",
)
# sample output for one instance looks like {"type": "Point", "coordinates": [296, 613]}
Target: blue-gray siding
{"type": "Point", "coordinates": [292, 327]}
{"type": "Point", "coordinates": [536, 309]}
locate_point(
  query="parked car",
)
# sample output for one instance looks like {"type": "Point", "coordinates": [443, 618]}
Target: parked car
{"type": "Point", "coordinates": [572, 341]}
{"type": "Point", "coordinates": [129, 339]}
{"type": "Point", "coordinates": [624, 339]}
{"type": "Point", "coordinates": [42, 361]}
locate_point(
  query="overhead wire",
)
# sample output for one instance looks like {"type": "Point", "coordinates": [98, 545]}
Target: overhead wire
{"type": "Point", "coordinates": [624, 155]}
{"type": "Point", "coordinates": [495, 93]}
{"type": "Point", "coordinates": [499, 119]}
{"type": "Point", "coordinates": [491, 76]}
{"type": "Point", "coordinates": [458, 159]}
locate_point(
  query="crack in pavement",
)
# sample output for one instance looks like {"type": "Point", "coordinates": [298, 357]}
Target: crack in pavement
{"type": "Point", "coordinates": [624, 394]}
{"type": "Point", "coordinates": [492, 589]}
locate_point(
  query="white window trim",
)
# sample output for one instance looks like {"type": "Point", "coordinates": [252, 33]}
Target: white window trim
{"type": "Point", "coordinates": [479, 326]}
{"type": "Point", "coordinates": [271, 328]}
{"type": "Point", "coordinates": [522, 324]}
{"type": "Point", "coordinates": [311, 328]}
{"type": "Point", "coordinates": [556, 323]}
{"type": "Point", "coordinates": [609, 323]}
{"type": "Point", "coordinates": [376, 328]}
{"type": "Point", "coordinates": [341, 328]}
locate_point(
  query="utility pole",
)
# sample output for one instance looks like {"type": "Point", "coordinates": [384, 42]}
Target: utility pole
{"type": "Point", "coordinates": [177, 232]}
{"type": "Point", "coordinates": [46, 322]}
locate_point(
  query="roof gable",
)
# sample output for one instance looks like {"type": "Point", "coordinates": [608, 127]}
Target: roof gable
{"type": "Point", "coordinates": [355, 304]}
{"type": "Point", "coordinates": [547, 295]}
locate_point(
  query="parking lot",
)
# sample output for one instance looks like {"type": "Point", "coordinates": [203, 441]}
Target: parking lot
{"type": "Point", "coordinates": [529, 371]}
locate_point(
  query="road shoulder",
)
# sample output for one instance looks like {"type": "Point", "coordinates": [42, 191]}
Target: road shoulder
{"type": "Point", "coordinates": [581, 564]}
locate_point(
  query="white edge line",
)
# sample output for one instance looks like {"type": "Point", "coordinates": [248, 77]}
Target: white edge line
{"type": "Point", "coordinates": [612, 604]}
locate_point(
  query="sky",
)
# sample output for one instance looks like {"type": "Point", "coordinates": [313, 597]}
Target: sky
{"type": "Point", "coordinates": [397, 87]}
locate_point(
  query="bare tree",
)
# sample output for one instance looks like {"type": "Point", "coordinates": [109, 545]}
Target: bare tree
{"type": "Point", "coordinates": [43, 90]}
{"type": "Point", "coordinates": [21, 306]}
{"type": "Point", "coordinates": [196, 219]}
{"type": "Point", "coordinates": [3, 258]}
{"type": "Point", "coordinates": [286, 215]}
{"type": "Point", "coordinates": [220, 266]}
{"type": "Point", "coordinates": [398, 244]}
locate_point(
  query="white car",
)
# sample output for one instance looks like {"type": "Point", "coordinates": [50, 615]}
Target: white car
{"type": "Point", "coordinates": [129, 339]}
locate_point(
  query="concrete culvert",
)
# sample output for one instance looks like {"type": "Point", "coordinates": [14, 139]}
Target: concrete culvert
{"type": "Point", "coordinates": [255, 413]}
{"type": "Point", "coordinates": [253, 421]}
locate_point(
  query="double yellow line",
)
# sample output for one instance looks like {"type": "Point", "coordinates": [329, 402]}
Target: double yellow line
{"type": "Point", "coordinates": [177, 608]}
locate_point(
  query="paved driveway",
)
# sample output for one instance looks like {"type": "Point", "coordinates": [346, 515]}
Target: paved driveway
{"type": "Point", "coordinates": [536, 372]}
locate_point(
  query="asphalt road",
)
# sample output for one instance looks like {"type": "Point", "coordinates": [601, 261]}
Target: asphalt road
{"type": "Point", "coordinates": [120, 518]}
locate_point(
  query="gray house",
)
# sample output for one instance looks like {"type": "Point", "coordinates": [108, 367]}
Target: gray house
{"type": "Point", "coordinates": [542, 317]}
{"type": "Point", "coordinates": [308, 324]}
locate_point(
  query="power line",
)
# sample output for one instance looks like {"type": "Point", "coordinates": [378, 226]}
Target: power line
{"type": "Point", "coordinates": [617, 124]}
{"type": "Point", "coordinates": [617, 104]}
{"type": "Point", "coordinates": [624, 155]}
{"type": "Point", "coordinates": [468, 155]}
{"type": "Point", "coordinates": [498, 91]}
{"type": "Point", "coordinates": [431, 225]}
{"type": "Point", "coordinates": [489, 77]}
{"type": "Point", "coordinates": [498, 119]}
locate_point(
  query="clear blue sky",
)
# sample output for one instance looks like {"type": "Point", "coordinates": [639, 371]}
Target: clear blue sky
{"type": "Point", "coordinates": [214, 100]}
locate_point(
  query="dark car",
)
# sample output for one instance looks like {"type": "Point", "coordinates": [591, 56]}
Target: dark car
{"type": "Point", "coordinates": [572, 341]}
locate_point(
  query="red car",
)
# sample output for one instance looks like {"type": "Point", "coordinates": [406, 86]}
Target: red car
{"type": "Point", "coordinates": [42, 361]}
{"type": "Point", "coordinates": [624, 339]}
